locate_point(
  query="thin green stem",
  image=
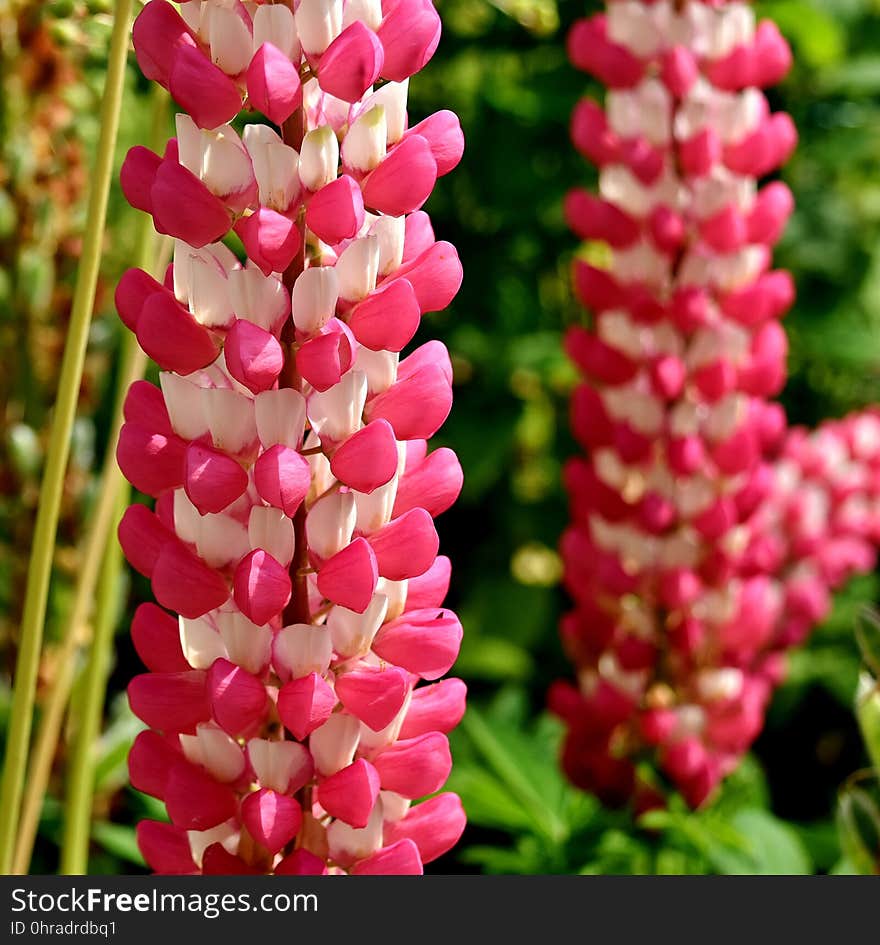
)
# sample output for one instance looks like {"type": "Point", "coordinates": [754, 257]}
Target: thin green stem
{"type": "Point", "coordinates": [81, 776]}
{"type": "Point", "coordinates": [75, 634]}
{"type": "Point", "coordinates": [132, 365]}
{"type": "Point", "coordinates": [46, 527]}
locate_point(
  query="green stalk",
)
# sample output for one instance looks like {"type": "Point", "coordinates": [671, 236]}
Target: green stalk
{"type": "Point", "coordinates": [46, 527]}
{"type": "Point", "coordinates": [132, 366]}
{"type": "Point", "coordinates": [81, 777]}
{"type": "Point", "coordinates": [75, 630]}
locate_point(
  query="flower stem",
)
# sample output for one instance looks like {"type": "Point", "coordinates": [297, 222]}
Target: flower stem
{"type": "Point", "coordinates": [297, 610]}
{"type": "Point", "coordinates": [46, 527]}
{"type": "Point", "coordinates": [81, 776]}
{"type": "Point", "coordinates": [132, 366]}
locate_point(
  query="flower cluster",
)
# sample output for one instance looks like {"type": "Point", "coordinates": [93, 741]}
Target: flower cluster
{"type": "Point", "coordinates": [286, 447]}
{"type": "Point", "coordinates": [705, 536]}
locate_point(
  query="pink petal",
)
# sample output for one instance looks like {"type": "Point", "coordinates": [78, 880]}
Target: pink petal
{"type": "Point", "coordinates": [158, 33]}
{"type": "Point", "coordinates": [253, 355]}
{"type": "Point", "coordinates": [213, 479]}
{"type": "Point", "coordinates": [434, 826]}
{"type": "Point", "coordinates": [351, 63]}
{"type": "Point", "coordinates": [156, 638]}
{"type": "Point", "coordinates": [282, 476]}
{"type": "Point", "coordinates": [726, 231]}
{"type": "Point", "coordinates": [202, 89]}
{"type": "Point", "coordinates": [145, 406]}
{"type": "Point", "coordinates": [397, 859]}
{"type": "Point", "coordinates": [407, 546]}
{"type": "Point", "coordinates": [183, 582]}
{"type": "Point", "coordinates": [336, 211]}
{"type": "Point", "coordinates": [409, 34]}
{"type": "Point", "coordinates": [425, 642]}
{"type": "Point", "coordinates": [184, 208]}
{"type": "Point", "coordinates": [270, 239]}
{"type": "Point", "coordinates": [430, 589]}
{"type": "Point", "coordinates": [766, 298]}
{"type": "Point", "coordinates": [679, 70]}
{"type": "Point", "coordinates": [700, 153]}
{"type": "Point", "coordinates": [165, 847]}
{"type": "Point", "coordinates": [442, 131]}
{"type": "Point", "coordinates": [772, 54]}
{"type": "Point", "coordinates": [170, 335]}
{"type": "Point", "coordinates": [351, 793]}
{"type": "Point", "coordinates": [195, 801]}
{"type": "Point", "coordinates": [595, 288]}
{"type": "Point", "coordinates": [349, 578]}
{"type": "Point", "coordinates": [404, 179]}
{"type": "Point", "coordinates": [388, 318]}
{"type": "Point", "coordinates": [592, 218]}
{"type": "Point", "coordinates": [272, 819]}
{"type": "Point", "coordinates": [218, 861]}
{"type": "Point", "coordinates": [415, 767]}
{"type": "Point", "coordinates": [374, 695]}
{"type": "Point", "coordinates": [273, 84]}
{"type": "Point", "coordinates": [323, 359]}
{"type": "Point", "coordinates": [142, 537]}
{"type": "Point", "coordinates": [591, 135]}
{"type": "Point", "coordinates": [305, 704]}
{"type": "Point", "coordinates": [437, 708]}
{"type": "Point", "coordinates": [301, 863]}
{"type": "Point", "coordinates": [770, 212]}
{"type": "Point", "coordinates": [430, 353]}
{"type": "Point", "coordinates": [137, 175]}
{"type": "Point", "coordinates": [416, 406]}
{"type": "Point", "coordinates": [261, 587]}
{"type": "Point", "coordinates": [151, 462]}
{"type": "Point", "coordinates": [132, 291]}
{"type": "Point", "coordinates": [432, 485]}
{"type": "Point", "coordinates": [591, 51]}
{"type": "Point", "coordinates": [238, 699]}
{"type": "Point", "coordinates": [368, 458]}
{"type": "Point", "coordinates": [150, 762]}
{"type": "Point", "coordinates": [435, 275]}
{"type": "Point", "coordinates": [418, 235]}
{"type": "Point", "coordinates": [170, 702]}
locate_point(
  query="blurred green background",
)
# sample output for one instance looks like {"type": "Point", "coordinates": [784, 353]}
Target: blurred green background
{"type": "Point", "coordinates": [501, 66]}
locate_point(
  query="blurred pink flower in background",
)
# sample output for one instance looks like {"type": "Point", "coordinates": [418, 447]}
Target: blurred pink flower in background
{"type": "Point", "coordinates": [706, 536]}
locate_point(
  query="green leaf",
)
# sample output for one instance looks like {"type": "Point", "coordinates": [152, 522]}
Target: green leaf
{"type": "Point", "coordinates": [868, 713]}
{"type": "Point", "coordinates": [771, 847]}
{"type": "Point", "coordinates": [111, 770]}
{"type": "Point", "coordinates": [819, 37]}
{"type": "Point", "coordinates": [119, 840]}
{"type": "Point", "coordinates": [486, 657]}
{"type": "Point", "coordinates": [859, 75]}
{"type": "Point", "coordinates": [486, 800]}
{"type": "Point", "coordinates": [868, 638]}
{"type": "Point", "coordinates": [510, 767]}
{"type": "Point", "coordinates": [858, 820]}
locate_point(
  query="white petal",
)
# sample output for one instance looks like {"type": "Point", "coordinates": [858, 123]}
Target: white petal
{"type": "Point", "coordinates": [333, 744]}
{"type": "Point", "coordinates": [315, 293]}
{"type": "Point", "coordinates": [301, 649]}
{"type": "Point", "coordinates": [330, 523]}
{"type": "Point", "coordinates": [271, 530]}
{"type": "Point", "coordinates": [280, 417]}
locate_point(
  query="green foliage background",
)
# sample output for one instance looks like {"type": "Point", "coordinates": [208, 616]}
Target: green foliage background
{"type": "Point", "coordinates": [502, 67]}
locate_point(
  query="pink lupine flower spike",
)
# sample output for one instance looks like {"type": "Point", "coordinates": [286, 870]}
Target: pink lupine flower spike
{"type": "Point", "coordinates": [292, 709]}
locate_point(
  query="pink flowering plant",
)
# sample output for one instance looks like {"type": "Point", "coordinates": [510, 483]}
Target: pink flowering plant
{"type": "Point", "coordinates": [270, 685]}
{"type": "Point", "coordinates": [293, 695]}
{"type": "Point", "coordinates": [706, 535]}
